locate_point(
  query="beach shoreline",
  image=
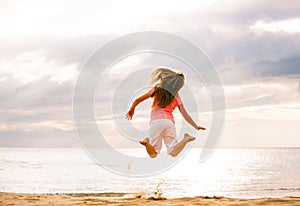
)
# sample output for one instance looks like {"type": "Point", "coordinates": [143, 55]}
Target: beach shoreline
{"type": "Point", "coordinates": [7, 198]}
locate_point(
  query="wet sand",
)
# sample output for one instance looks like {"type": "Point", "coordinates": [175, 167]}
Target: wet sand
{"type": "Point", "coordinates": [81, 199]}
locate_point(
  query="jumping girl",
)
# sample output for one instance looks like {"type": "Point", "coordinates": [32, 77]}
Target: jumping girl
{"type": "Point", "coordinates": [165, 100]}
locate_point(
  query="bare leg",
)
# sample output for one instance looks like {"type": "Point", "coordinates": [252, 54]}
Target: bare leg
{"type": "Point", "coordinates": [179, 147]}
{"type": "Point", "coordinates": [150, 149]}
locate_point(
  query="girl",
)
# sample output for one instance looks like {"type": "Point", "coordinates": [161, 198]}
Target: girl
{"type": "Point", "coordinates": [165, 100]}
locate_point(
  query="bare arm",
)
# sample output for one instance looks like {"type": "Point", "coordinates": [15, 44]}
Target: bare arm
{"type": "Point", "coordinates": [140, 99]}
{"type": "Point", "coordinates": [188, 118]}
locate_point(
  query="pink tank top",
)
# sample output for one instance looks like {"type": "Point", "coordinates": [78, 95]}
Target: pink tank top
{"type": "Point", "coordinates": [165, 112]}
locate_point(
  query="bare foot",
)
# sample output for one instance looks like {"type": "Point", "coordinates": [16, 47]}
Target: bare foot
{"type": "Point", "coordinates": [188, 138]}
{"type": "Point", "coordinates": [144, 142]}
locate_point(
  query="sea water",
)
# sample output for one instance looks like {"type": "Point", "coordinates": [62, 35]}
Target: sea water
{"type": "Point", "coordinates": [227, 172]}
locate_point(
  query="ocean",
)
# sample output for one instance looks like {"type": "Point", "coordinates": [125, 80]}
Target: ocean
{"type": "Point", "coordinates": [244, 173]}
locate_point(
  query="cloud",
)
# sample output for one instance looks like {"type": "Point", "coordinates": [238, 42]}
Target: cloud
{"type": "Point", "coordinates": [290, 26]}
{"type": "Point", "coordinates": [272, 91]}
{"type": "Point", "coordinates": [30, 66]}
{"type": "Point", "coordinates": [278, 67]}
{"type": "Point", "coordinates": [254, 45]}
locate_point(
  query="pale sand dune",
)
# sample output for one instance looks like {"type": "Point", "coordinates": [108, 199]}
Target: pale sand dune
{"type": "Point", "coordinates": [36, 199]}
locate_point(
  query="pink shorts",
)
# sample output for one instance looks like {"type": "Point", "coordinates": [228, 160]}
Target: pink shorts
{"type": "Point", "coordinates": [162, 129]}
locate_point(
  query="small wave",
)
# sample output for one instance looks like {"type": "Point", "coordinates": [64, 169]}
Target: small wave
{"type": "Point", "coordinates": [122, 195]}
{"type": "Point", "coordinates": [283, 189]}
{"type": "Point", "coordinates": [103, 194]}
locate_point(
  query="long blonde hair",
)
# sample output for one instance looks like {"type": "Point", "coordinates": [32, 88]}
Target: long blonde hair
{"type": "Point", "coordinates": [167, 84]}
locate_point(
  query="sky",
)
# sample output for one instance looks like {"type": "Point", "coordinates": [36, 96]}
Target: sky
{"type": "Point", "coordinates": [254, 45]}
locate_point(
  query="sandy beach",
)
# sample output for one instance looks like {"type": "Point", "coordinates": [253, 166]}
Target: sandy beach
{"type": "Point", "coordinates": [49, 199]}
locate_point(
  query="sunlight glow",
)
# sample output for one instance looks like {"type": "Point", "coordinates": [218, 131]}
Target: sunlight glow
{"type": "Point", "coordinates": [69, 18]}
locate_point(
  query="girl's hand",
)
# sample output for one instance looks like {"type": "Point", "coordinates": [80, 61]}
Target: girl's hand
{"type": "Point", "coordinates": [142, 98]}
{"type": "Point", "coordinates": [129, 114]}
{"type": "Point", "coordinates": [199, 127]}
